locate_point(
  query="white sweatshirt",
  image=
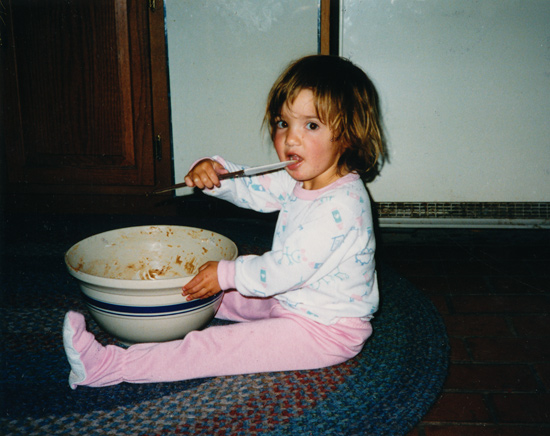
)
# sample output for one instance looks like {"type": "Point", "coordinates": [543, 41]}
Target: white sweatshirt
{"type": "Point", "coordinates": [321, 264]}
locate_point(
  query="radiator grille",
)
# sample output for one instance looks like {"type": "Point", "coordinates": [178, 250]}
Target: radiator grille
{"type": "Point", "coordinates": [469, 210]}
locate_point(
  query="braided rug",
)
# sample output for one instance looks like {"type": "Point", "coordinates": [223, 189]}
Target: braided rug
{"type": "Point", "coordinates": [383, 391]}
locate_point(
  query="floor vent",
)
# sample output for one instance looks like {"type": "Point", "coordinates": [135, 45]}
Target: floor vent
{"type": "Point", "coordinates": [485, 214]}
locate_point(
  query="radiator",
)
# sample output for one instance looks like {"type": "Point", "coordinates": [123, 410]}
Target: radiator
{"type": "Point", "coordinates": [469, 214]}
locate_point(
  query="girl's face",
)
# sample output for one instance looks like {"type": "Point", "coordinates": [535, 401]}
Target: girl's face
{"type": "Point", "coordinates": [300, 135]}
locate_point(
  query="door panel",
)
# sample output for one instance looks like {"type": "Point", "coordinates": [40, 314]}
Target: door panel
{"type": "Point", "coordinates": [78, 93]}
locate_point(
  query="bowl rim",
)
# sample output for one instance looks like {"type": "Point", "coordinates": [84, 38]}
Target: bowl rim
{"type": "Point", "coordinates": [137, 284]}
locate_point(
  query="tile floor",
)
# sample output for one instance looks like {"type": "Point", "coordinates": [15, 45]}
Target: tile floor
{"type": "Point", "coordinates": [491, 288]}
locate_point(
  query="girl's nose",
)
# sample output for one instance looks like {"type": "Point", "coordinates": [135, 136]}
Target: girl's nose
{"type": "Point", "coordinates": [292, 138]}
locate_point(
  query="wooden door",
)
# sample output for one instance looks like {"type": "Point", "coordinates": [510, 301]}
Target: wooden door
{"type": "Point", "coordinates": [79, 92]}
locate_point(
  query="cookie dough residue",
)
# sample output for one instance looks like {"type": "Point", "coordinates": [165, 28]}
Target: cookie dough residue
{"type": "Point", "coordinates": [190, 266]}
{"type": "Point", "coordinates": [154, 273]}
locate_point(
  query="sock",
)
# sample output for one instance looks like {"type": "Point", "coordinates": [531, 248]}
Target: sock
{"type": "Point", "coordinates": [92, 364]}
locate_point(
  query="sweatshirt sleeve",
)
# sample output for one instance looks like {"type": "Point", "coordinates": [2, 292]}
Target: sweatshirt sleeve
{"type": "Point", "coordinates": [226, 274]}
{"type": "Point", "coordinates": [263, 193]}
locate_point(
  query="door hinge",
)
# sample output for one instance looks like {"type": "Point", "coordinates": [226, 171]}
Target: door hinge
{"type": "Point", "coordinates": [153, 5]}
{"type": "Point", "coordinates": [157, 147]}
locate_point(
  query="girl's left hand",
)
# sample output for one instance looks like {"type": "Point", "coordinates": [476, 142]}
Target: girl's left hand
{"type": "Point", "coordinates": [204, 284]}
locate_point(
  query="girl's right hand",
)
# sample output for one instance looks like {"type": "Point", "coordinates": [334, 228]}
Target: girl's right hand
{"type": "Point", "coordinates": [205, 174]}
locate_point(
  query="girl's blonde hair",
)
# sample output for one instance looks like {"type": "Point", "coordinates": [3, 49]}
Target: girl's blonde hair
{"type": "Point", "coordinates": [345, 100]}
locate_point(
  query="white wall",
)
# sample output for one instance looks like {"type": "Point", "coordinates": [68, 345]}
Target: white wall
{"type": "Point", "coordinates": [224, 55]}
{"type": "Point", "coordinates": [465, 90]}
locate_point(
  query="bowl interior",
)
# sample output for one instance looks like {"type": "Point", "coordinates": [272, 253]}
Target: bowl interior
{"type": "Point", "coordinates": [148, 253]}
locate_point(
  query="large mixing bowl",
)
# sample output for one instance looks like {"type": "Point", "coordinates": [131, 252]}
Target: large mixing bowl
{"type": "Point", "coordinates": [131, 279]}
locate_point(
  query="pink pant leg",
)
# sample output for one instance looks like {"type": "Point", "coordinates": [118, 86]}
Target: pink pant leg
{"type": "Point", "coordinates": [281, 343]}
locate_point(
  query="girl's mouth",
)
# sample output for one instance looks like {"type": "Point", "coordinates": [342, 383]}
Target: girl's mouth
{"type": "Point", "coordinates": [297, 160]}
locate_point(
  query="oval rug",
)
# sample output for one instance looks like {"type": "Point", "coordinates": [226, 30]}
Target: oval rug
{"type": "Point", "coordinates": [385, 390]}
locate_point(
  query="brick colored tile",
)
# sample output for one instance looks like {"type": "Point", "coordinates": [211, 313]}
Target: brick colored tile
{"type": "Point", "coordinates": [440, 303]}
{"type": "Point", "coordinates": [485, 430]}
{"type": "Point", "coordinates": [476, 325]}
{"type": "Point", "coordinates": [522, 408]}
{"type": "Point", "coordinates": [452, 252]}
{"type": "Point", "coordinates": [532, 325]}
{"type": "Point", "coordinates": [413, 432]}
{"type": "Point", "coordinates": [431, 284]}
{"type": "Point", "coordinates": [468, 285]}
{"type": "Point", "coordinates": [501, 252]}
{"type": "Point", "coordinates": [540, 252]}
{"type": "Point", "coordinates": [519, 285]}
{"type": "Point", "coordinates": [413, 268]}
{"type": "Point", "coordinates": [493, 292]}
{"type": "Point", "coordinates": [410, 252]}
{"type": "Point", "coordinates": [515, 378]}
{"type": "Point", "coordinates": [543, 371]}
{"type": "Point", "coordinates": [540, 267]}
{"type": "Point", "coordinates": [500, 304]}
{"type": "Point", "coordinates": [457, 407]}
{"type": "Point", "coordinates": [508, 268]}
{"type": "Point", "coordinates": [509, 349]}
{"type": "Point", "coordinates": [459, 352]}
{"type": "Point", "coordinates": [465, 268]}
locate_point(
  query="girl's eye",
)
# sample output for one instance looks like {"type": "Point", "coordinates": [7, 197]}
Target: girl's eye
{"type": "Point", "coordinates": [312, 126]}
{"type": "Point", "coordinates": [280, 124]}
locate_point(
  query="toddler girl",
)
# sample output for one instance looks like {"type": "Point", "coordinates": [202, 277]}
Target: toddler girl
{"type": "Point", "coordinates": [306, 303]}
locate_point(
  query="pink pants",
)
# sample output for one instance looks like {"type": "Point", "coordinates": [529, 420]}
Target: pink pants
{"type": "Point", "coordinates": [266, 338]}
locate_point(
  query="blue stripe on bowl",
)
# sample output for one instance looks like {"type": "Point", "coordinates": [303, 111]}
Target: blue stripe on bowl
{"type": "Point", "coordinates": [150, 311]}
